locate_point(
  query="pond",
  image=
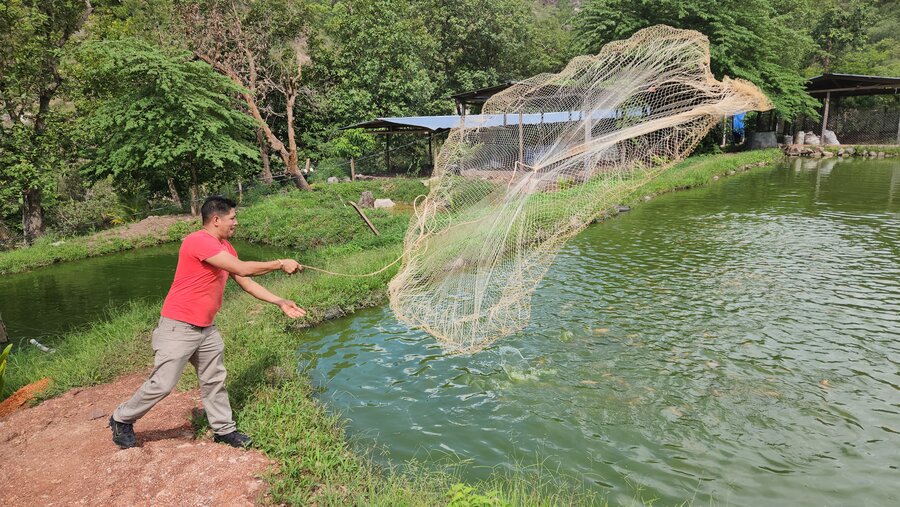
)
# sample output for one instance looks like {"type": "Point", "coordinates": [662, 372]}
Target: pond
{"type": "Point", "coordinates": [53, 300]}
{"type": "Point", "coordinates": [727, 345]}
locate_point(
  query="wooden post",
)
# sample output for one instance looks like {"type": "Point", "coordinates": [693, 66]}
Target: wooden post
{"type": "Point", "coordinates": [724, 130]}
{"type": "Point", "coordinates": [825, 118]}
{"type": "Point", "coordinates": [365, 218]}
{"type": "Point", "coordinates": [4, 337]}
{"type": "Point", "coordinates": [587, 139]}
{"type": "Point", "coordinates": [898, 131]}
{"type": "Point", "coordinates": [431, 150]}
{"type": "Point", "coordinates": [308, 165]}
{"type": "Point", "coordinates": [352, 169]}
{"type": "Point", "coordinates": [240, 192]}
{"type": "Point", "coordinates": [387, 152]}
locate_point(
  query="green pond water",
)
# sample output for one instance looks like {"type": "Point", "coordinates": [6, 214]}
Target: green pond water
{"type": "Point", "coordinates": [49, 301]}
{"type": "Point", "coordinates": [732, 345]}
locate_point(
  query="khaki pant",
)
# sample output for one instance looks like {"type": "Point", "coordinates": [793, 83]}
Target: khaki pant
{"type": "Point", "coordinates": [175, 343]}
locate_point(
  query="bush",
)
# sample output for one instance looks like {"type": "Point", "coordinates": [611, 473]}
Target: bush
{"type": "Point", "coordinates": [328, 168]}
{"type": "Point", "coordinates": [99, 209]}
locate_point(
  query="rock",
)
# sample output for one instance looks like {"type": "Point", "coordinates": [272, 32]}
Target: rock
{"type": "Point", "coordinates": [841, 152]}
{"type": "Point", "coordinates": [96, 414]}
{"type": "Point", "coordinates": [850, 151]}
{"type": "Point", "coordinates": [346, 179]}
{"type": "Point", "coordinates": [333, 179]}
{"type": "Point", "coordinates": [367, 200]}
{"type": "Point", "coordinates": [816, 154]}
{"type": "Point", "coordinates": [827, 154]}
{"type": "Point", "coordinates": [880, 154]}
{"type": "Point", "coordinates": [384, 203]}
{"type": "Point", "coordinates": [730, 173]}
{"type": "Point", "coordinates": [621, 209]}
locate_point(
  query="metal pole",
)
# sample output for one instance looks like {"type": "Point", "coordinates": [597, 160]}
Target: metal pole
{"type": "Point", "coordinates": [521, 143]}
{"type": "Point", "coordinates": [825, 118]}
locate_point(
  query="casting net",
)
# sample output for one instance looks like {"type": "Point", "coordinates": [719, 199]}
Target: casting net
{"type": "Point", "coordinates": [544, 159]}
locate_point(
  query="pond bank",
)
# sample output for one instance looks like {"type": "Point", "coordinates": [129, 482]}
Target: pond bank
{"type": "Point", "coordinates": [273, 402]}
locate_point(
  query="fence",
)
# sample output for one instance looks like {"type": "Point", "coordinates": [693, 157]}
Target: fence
{"type": "Point", "coordinates": [857, 120]}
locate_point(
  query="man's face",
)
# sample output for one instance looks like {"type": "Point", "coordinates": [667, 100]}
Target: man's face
{"type": "Point", "coordinates": [227, 223]}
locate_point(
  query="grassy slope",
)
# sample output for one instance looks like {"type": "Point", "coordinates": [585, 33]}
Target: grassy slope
{"type": "Point", "coordinates": [273, 403]}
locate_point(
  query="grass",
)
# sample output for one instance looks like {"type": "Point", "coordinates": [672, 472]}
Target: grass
{"type": "Point", "coordinates": [859, 148]}
{"type": "Point", "coordinates": [300, 220]}
{"type": "Point", "coordinates": [49, 250]}
{"type": "Point", "coordinates": [698, 171]}
{"type": "Point", "coordinates": [272, 401]}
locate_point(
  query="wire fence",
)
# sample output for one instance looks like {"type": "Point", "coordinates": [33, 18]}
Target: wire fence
{"type": "Point", "coordinates": [857, 120]}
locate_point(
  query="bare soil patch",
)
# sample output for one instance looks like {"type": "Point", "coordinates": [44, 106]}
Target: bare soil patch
{"type": "Point", "coordinates": [156, 226]}
{"type": "Point", "coordinates": [61, 453]}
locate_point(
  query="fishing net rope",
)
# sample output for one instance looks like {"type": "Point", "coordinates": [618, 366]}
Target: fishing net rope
{"type": "Point", "coordinates": [543, 160]}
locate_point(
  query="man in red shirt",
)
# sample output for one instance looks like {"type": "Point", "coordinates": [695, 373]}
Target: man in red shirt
{"type": "Point", "coordinates": [186, 332]}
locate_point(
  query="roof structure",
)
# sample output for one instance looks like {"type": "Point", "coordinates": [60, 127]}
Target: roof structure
{"type": "Point", "coordinates": [845, 85]}
{"type": "Point", "coordinates": [434, 124]}
{"type": "Point", "coordinates": [478, 97]}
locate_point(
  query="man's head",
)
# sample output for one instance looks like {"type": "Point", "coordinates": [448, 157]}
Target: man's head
{"type": "Point", "coordinates": [219, 215]}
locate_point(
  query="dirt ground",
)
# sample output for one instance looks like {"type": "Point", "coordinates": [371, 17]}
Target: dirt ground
{"type": "Point", "coordinates": [157, 226]}
{"type": "Point", "coordinates": [61, 453]}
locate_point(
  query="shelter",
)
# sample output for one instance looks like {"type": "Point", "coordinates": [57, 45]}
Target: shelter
{"type": "Point", "coordinates": [859, 109]}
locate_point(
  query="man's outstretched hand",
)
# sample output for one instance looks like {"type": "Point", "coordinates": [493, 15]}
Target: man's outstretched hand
{"type": "Point", "coordinates": [290, 266]}
{"type": "Point", "coordinates": [291, 309]}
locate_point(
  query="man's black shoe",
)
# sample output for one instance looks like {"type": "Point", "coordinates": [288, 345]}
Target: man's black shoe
{"type": "Point", "coordinates": [234, 439]}
{"type": "Point", "coordinates": [123, 434]}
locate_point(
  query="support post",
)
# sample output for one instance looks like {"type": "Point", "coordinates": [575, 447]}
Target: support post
{"type": "Point", "coordinates": [521, 142]}
{"type": "Point", "coordinates": [825, 118]}
{"type": "Point", "coordinates": [898, 131]}
{"type": "Point", "coordinates": [352, 169]}
{"type": "Point", "coordinates": [387, 152]}
{"type": "Point", "coordinates": [431, 150]}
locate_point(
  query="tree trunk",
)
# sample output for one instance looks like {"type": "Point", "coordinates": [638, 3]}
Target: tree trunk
{"type": "Point", "coordinates": [32, 215]}
{"type": "Point", "coordinates": [264, 156]}
{"type": "Point", "coordinates": [292, 168]}
{"type": "Point", "coordinates": [195, 193]}
{"type": "Point", "coordinates": [174, 192]}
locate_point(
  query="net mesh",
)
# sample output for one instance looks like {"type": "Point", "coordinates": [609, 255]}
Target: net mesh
{"type": "Point", "coordinates": [544, 159]}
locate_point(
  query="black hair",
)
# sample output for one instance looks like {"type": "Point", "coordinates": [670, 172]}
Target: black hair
{"type": "Point", "coordinates": [216, 205]}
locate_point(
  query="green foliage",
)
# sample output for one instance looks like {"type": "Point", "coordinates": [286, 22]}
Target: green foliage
{"type": "Point", "coordinates": [842, 25]}
{"type": "Point", "coordinates": [305, 221]}
{"type": "Point", "coordinates": [99, 209]}
{"type": "Point", "coordinates": [3, 356]}
{"type": "Point", "coordinates": [33, 37]}
{"type": "Point", "coordinates": [151, 115]}
{"type": "Point", "coordinates": [756, 40]}
{"type": "Point", "coordinates": [462, 495]}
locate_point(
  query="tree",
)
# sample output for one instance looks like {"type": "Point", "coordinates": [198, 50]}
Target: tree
{"type": "Point", "coordinates": [33, 34]}
{"type": "Point", "coordinates": [153, 117]}
{"type": "Point", "coordinates": [842, 26]}
{"type": "Point", "coordinates": [749, 39]}
{"type": "Point", "coordinates": [260, 45]}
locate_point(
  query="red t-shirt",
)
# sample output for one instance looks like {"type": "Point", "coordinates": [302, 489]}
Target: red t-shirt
{"type": "Point", "coordinates": [196, 293]}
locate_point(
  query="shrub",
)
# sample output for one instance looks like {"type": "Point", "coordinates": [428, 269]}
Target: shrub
{"type": "Point", "coordinates": [99, 209]}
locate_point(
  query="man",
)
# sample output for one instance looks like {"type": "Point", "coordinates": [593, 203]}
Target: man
{"type": "Point", "coordinates": [186, 332]}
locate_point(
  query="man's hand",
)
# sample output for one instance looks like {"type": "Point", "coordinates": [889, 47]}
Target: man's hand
{"type": "Point", "coordinates": [290, 266]}
{"type": "Point", "coordinates": [290, 308]}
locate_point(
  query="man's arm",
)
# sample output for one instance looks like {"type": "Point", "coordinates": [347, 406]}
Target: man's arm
{"type": "Point", "coordinates": [237, 267]}
{"type": "Point", "coordinates": [256, 290]}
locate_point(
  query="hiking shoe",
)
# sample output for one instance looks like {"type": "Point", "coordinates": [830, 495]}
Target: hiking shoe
{"type": "Point", "coordinates": [234, 439]}
{"type": "Point", "coordinates": [122, 433]}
